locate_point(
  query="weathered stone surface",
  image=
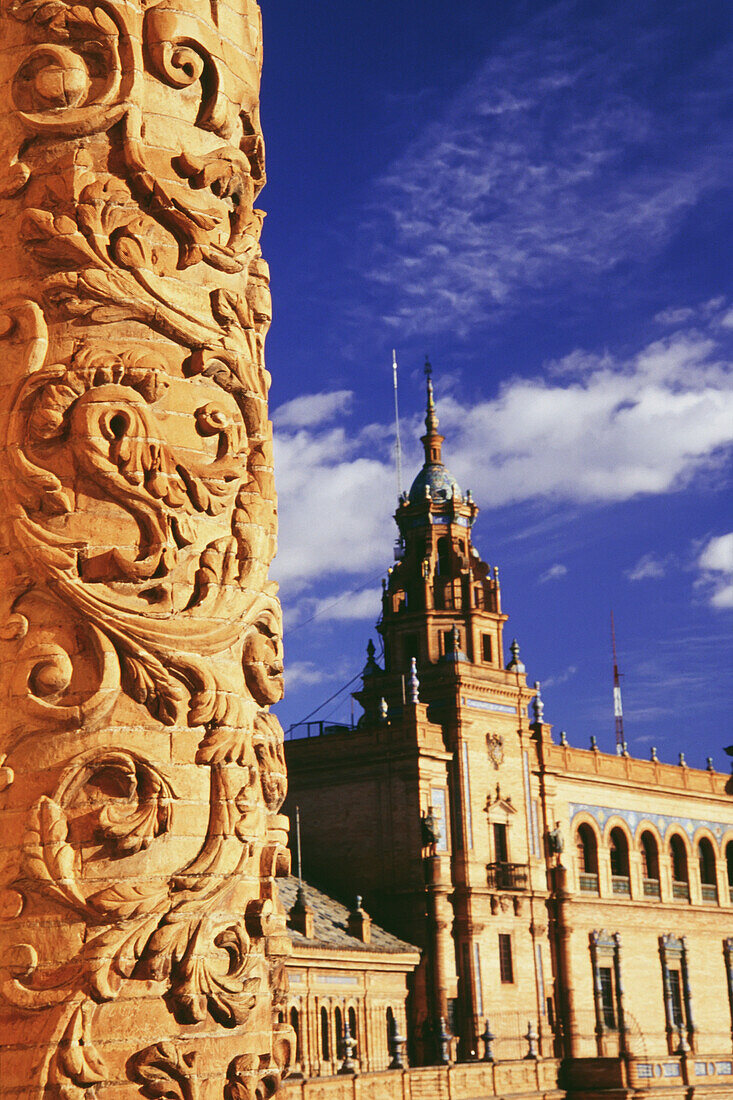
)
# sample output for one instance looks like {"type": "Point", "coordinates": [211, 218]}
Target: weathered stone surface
{"type": "Point", "coordinates": [141, 773]}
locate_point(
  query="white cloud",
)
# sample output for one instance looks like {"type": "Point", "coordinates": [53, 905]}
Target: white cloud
{"type": "Point", "coordinates": [312, 409]}
{"type": "Point", "coordinates": [672, 316]}
{"type": "Point", "coordinates": [553, 573]}
{"type": "Point", "coordinates": [648, 567]}
{"type": "Point", "coordinates": [300, 674]}
{"type": "Point", "coordinates": [716, 570]}
{"type": "Point", "coordinates": [594, 429]}
{"type": "Point", "coordinates": [334, 505]}
{"type": "Point", "coordinates": [353, 604]}
{"type": "Point", "coordinates": [727, 319]}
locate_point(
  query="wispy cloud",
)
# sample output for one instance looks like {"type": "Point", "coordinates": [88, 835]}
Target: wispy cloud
{"type": "Point", "coordinates": [594, 429]}
{"type": "Point", "coordinates": [312, 409]}
{"type": "Point", "coordinates": [560, 678]}
{"type": "Point", "coordinates": [553, 164]}
{"type": "Point", "coordinates": [648, 567]}
{"type": "Point", "coordinates": [554, 573]}
{"type": "Point", "coordinates": [716, 570]}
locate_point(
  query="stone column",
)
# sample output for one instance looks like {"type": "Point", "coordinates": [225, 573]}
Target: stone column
{"type": "Point", "coordinates": [141, 939]}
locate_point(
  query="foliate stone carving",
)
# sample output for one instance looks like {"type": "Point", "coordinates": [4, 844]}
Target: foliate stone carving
{"type": "Point", "coordinates": [141, 773]}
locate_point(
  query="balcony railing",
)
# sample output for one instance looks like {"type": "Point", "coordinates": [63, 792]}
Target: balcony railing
{"type": "Point", "coordinates": [620, 885]}
{"type": "Point", "coordinates": [709, 892]}
{"type": "Point", "coordinates": [507, 876]}
{"type": "Point", "coordinates": [651, 888]}
{"type": "Point", "coordinates": [588, 883]}
{"type": "Point", "coordinates": [681, 890]}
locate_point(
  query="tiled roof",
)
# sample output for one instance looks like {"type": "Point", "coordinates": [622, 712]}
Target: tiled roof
{"type": "Point", "coordinates": [330, 919]}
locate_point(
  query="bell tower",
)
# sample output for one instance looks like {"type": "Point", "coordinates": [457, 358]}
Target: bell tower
{"type": "Point", "coordinates": [429, 806]}
{"type": "Point", "coordinates": [441, 603]}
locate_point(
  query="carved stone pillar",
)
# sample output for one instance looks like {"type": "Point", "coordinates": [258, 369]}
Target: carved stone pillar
{"type": "Point", "coordinates": [141, 939]}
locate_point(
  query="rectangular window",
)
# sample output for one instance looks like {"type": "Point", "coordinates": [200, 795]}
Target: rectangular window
{"type": "Point", "coordinates": [486, 648]}
{"type": "Point", "coordinates": [606, 979]}
{"type": "Point", "coordinates": [675, 987]}
{"type": "Point", "coordinates": [447, 641]}
{"type": "Point", "coordinates": [506, 966]}
{"type": "Point", "coordinates": [500, 846]}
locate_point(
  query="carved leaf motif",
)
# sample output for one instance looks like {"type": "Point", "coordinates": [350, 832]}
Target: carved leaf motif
{"type": "Point", "coordinates": [207, 972]}
{"type": "Point", "coordinates": [164, 1072]}
{"type": "Point", "coordinates": [47, 858]}
{"type": "Point", "coordinates": [113, 956]}
{"type": "Point", "coordinates": [76, 1061]}
{"type": "Point", "coordinates": [153, 687]}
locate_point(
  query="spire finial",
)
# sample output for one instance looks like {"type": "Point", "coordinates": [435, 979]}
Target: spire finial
{"type": "Point", "coordinates": [431, 440]}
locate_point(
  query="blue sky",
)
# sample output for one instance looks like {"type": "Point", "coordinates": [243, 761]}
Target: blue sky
{"type": "Point", "coordinates": [539, 196]}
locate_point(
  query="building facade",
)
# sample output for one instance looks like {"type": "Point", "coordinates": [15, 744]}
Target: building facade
{"type": "Point", "coordinates": [582, 895]}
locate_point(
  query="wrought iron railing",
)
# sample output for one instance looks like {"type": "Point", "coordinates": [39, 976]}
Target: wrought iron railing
{"type": "Point", "coordinates": [507, 876]}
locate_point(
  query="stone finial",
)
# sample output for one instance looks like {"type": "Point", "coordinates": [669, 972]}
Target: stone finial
{"type": "Point", "coordinates": [709, 766]}
{"type": "Point", "coordinates": [348, 1043]}
{"type": "Point", "coordinates": [383, 710]}
{"type": "Point", "coordinates": [515, 665]}
{"type": "Point", "coordinates": [594, 743]}
{"type": "Point", "coordinates": [359, 924]}
{"type": "Point", "coordinates": [414, 682]}
{"type": "Point", "coordinates": [563, 738]}
{"type": "Point", "coordinates": [443, 1043]}
{"type": "Point", "coordinates": [488, 1039]}
{"type": "Point", "coordinates": [683, 762]}
{"type": "Point", "coordinates": [624, 748]}
{"type": "Point", "coordinates": [653, 757]}
{"type": "Point", "coordinates": [396, 1045]}
{"type": "Point", "coordinates": [532, 1039]}
{"type": "Point", "coordinates": [538, 707]}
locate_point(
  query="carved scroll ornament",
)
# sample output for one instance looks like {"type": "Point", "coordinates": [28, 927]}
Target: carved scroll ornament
{"type": "Point", "coordinates": [141, 773]}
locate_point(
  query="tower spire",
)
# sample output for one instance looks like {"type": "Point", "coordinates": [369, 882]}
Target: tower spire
{"type": "Point", "coordinates": [432, 441]}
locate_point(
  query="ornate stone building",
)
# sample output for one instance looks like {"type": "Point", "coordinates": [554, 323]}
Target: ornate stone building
{"type": "Point", "coordinates": [588, 896]}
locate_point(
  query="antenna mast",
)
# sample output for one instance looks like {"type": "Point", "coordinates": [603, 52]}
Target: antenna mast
{"type": "Point", "coordinates": [618, 710]}
{"type": "Point", "coordinates": [297, 837]}
{"type": "Point", "coordinates": [398, 443]}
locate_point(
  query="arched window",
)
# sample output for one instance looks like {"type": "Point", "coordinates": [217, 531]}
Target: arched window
{"type": "Point", "coordinates": [587, 848]}
{"type": "Point", "coordinates": [706, 859]}
{"type": "Point", "coordinates": [729, 863]}
{"type": "Point", "coordinates": [295, 1024]}
{"type": "Point", "coordinates": [678, 854]}
{"type": "Point", "coordinates": [391, 1030]}
{"type": "Point", "coordinates": [444, 556]}
{"type": "Point", "coordinates": [650, 865]}
{"type": "Point", "coordinates": [619, 853]}
{"type": "Point", "coordinates": [352, 1023]}
{"type": "Point", "coordinates": [325, 1037]}
{"type": "Point", "coordinates": [338, 1028]}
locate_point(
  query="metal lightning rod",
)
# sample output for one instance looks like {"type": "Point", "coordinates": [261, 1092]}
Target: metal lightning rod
{"type": "Point", "coordinates": [398, 443]}
{"type": "Point", "coordinates": [618, 710]}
